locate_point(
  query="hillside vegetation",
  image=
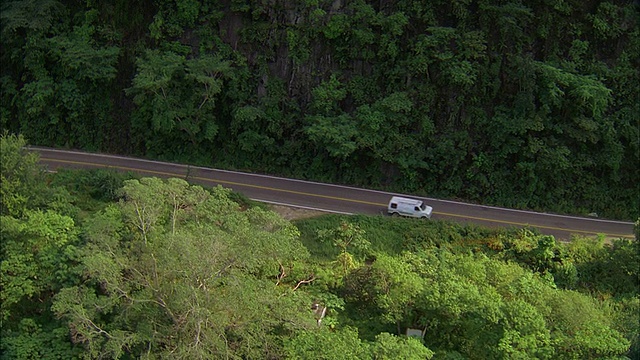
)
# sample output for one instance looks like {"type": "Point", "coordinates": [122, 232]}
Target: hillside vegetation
{"type": "Point", "coordinates": [525, 104]}
{"type": "Point", "coordinates": [105, 265]}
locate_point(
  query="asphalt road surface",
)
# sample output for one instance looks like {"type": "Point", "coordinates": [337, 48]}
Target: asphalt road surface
{"type": "Point", "coordinates": [336, 198]}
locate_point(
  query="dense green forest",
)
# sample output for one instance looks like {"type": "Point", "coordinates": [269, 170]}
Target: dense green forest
{"type": "Point", "coordinates": [525, 104]}
{"type": "Point", "coordinates": [105, 265]}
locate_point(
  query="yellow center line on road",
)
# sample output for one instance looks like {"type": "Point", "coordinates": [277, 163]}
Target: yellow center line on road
{"type": "Point", "coordinates": [325, 196]}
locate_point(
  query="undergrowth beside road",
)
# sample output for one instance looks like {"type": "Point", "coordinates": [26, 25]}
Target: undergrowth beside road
{"type": "Point", "coordinates": [393, 235]}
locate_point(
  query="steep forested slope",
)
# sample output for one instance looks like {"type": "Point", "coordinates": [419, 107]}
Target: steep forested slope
{"type": "Point", "coordinates": [525, 104]}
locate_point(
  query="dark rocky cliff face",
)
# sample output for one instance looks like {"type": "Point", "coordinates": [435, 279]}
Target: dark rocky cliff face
{"type": "Point", "coordinates": [284, 41]}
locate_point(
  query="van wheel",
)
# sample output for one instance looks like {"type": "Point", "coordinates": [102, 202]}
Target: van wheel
{"type": "Point", "coordinates": [394, 214]}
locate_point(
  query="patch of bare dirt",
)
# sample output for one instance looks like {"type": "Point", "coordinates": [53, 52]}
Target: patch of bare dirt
{"type": "Point", "coordinates": [294, 213]}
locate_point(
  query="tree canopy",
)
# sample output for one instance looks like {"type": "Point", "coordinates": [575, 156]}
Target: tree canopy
{"type": "Point", "coordinates": [107, 265]}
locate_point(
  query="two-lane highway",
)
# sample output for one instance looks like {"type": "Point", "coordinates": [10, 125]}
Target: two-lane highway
{"type": "Point", "coordinates": [335, 198]}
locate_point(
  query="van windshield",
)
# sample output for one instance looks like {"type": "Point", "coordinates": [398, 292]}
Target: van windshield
{"type": "Point", "coordinates": [423, 207]}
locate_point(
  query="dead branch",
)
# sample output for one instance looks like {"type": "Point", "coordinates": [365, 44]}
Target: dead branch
{"type": "Point", "coordinates": [282, 274]}
{"type": "Point", "coordinates": [311, 278]}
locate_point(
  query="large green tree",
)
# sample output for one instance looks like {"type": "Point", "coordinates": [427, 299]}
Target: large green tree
{"type": "Point", "coordinates": [21, 178]}
{"type": "Point", "coordinates": [177, 97]}
{"type": "Point", "coordinates": [38, 256]}
{"type": "Point", "coordinates": [176, 270]}
{"type": "Point", "coordinates": [483, 308]}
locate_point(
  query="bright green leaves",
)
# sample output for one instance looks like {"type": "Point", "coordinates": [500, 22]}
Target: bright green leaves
{"type": "Point", "coordinates": [37, 256]}
{"type": "Point", "coordinates": [348, 238]}
{"type": "Point", "coordinates": [208, 72]}
{"type": "Point", "coordinates": [104, 257]}
{"type": "Point", "coordinates": [342, 134]}
{"type": "Point", "coordinates": [83, 309]}
{"type": "Point", "coordinates": [398, 102]}
{"type": "Point", "coordinates": [360, 31]}
{"type": "Point", "coordinates": [327, 96]}
{"type": "Point", "coordinates": [566, 89]}
{"type": "Point", "coordinates": [142, 206]}
{"type": "Point", "coordinates": [177, 270]}
{"type": "Point", "coordinates": [256, 239]}
{"type": "Point", "coordinates": [540, 253]}
{"type": "Point", "coordinates": [397, 287]}
{"type": "Point", "coordinates": [611, 21]}
{"type": "Point", "coordinates": [21, 177]}
{"type": "Point", "coordinates": [389, 347]}
{"type": "Point", "coordinates": [482, 308]}
{"type": "Point", "coordinates": [37, 247]}
{"type": "Point", "coordinates": [580, 328]}
{"type": "Point", "coordinates": [345, 344]}
{"type": "Point", "coordinates": [155, 72]}
{"type": "Point", "coordinates": [80, 58]}
{"type": "Point", "coordinates": [380, 129]}
{"type": "Point", "coordinates": [334, 134]}
{"type": "Point", "coordinates": [526, 335]}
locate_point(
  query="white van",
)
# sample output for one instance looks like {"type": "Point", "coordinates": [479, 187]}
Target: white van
{"type": "Point", "coordinates": [409, 207]}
